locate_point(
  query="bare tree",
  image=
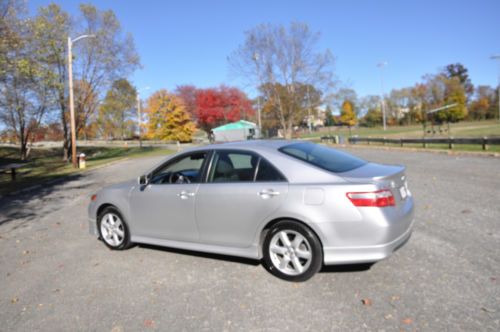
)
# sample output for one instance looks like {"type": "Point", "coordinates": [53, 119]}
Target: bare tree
{"type": "Point", "coordinates": [98, 61]}
{"type": "Point", "coordinates": [23, 92]}
{"type": "Point", "coordinates": [276, 57]}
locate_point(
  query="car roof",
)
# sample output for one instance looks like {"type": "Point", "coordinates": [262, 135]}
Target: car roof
{"type": "Point", "coordinates": [296, 171]}
{"type": "Point", "coordinates": [255, 145]}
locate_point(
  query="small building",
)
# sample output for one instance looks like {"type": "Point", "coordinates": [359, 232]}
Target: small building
{"type": "Point", "coordinates": [236, 131]}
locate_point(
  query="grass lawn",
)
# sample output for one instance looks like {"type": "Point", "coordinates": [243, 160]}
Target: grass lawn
{"type": "Point", "coordinates": [461, 147]}
{"type": "Point", "coordinates": [488, 128]}
{"type": "Point", "coordinates": [46, 164]}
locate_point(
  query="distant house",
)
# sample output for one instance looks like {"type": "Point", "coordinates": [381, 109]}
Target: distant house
{"type": "Point", "coordinates": [236, 131]}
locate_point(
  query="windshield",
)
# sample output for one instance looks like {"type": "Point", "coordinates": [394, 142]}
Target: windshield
{"type": "Point", "coordinates": [324, 157]}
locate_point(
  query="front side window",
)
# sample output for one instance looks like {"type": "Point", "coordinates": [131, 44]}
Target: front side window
{"type": "Point", "coordinates": [186, 169]}
{"type": "Point", "coordinates": [324, 157]}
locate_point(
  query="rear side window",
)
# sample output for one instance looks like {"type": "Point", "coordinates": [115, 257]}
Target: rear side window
{"type": "Point", "coordinates": [324, 157]}
{"type": "Point", "coordinates": [267, 173]}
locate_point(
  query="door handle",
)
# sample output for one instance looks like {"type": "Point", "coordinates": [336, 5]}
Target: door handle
{"type": "Point", "coordinates": [185, 194]}
{"type": "Point", "coordinates": [268, 193]}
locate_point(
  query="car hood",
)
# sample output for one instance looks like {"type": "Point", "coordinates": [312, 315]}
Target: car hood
{"type": "Point", "coordinates": [126, 185]}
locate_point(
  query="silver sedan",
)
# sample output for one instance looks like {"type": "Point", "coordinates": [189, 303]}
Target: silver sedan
{"type": "Point", "coordinates": [294, 205]}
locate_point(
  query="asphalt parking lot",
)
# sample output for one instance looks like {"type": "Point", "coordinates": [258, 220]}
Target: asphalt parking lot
{"type": "Point", "coordinates": [56, 277]}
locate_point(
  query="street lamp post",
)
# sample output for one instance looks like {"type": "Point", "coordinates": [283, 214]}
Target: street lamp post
{"type": "Point", "coordinates": [71, 100]}
{"type": "Point", "coordinates": [139, 115]}
{"type": "Point", "coordinates": [497, 57]}
{"type": "Point", "coordinates": [255, 58]}
{"type": "Point", "coordinates": [381, 65]}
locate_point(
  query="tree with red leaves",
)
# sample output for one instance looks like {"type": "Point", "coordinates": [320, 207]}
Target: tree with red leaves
{"type": "Point", "coordinates": [217, 106]}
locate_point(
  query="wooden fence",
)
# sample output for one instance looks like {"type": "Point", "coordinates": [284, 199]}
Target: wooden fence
{"type": "Point", "coordinates": [449, 141]}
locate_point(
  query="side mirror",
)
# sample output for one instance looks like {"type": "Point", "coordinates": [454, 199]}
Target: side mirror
{"type": "Point", "coordinates": [143, 180]}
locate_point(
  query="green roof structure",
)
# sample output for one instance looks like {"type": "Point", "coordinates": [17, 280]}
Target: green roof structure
{"type": "Point", "coordinates": [235, 125]}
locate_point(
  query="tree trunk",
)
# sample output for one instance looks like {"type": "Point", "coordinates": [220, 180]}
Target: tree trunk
{"type": "Point", "coordinates": [23, 142]}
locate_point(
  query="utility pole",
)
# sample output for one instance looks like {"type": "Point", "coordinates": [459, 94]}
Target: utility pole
{"type": "Point", "coordinates": [71, 100]}
{"type": "Point", "coordinates": [497, 57]}
{"type": "Point", "coordinates": [139, 115]}
{"type": "Point", "coordinates": [381, 65]}
{"type": "Point", "coordinates": [139, 118]}
{"type": "Point", "coordinates": [259, 112]}
{"type": "Point", "coordinates": [309, 120]}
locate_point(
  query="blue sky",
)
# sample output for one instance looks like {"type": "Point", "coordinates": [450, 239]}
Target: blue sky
{"type": "Point", "coordinates": [187, 42]}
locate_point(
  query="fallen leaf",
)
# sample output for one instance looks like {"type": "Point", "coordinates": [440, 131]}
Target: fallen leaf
{"type": "Point", "coordinates": [366, 301]}
{"type": "Point", "coordinates": [407, 321]}
{"type": "Point", "coordinates": [388, 316]}
{"type": "Point", "coordinates": [149, 323]}
{"type": "Point", "coordinates": [18, 241]}
{"type": "Point", "coordinates": [25, 252]}
{"type": "Point", "coordinates": [493, 279]}
{"type": "Point", "coordinates": [14, 300]}
{"type": "Point", "coordinates": [488, 310]}
{"type": "Point", "coordinates": [117, 328]}
{"type": "Point", "coordinates": [395, 298]}
{"type": "Point", "coordinates": [466, 211]}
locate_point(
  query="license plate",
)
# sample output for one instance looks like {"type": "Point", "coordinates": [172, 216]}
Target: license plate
{"type": "Point", "coordinates": [403, 192]}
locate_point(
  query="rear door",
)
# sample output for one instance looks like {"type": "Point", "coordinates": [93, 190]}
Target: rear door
{"type": "Point", "coordinates": [241, 191]}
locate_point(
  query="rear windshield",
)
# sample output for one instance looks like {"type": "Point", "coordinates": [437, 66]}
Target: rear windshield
{"type": "Point", "coordinates": [324, 157]}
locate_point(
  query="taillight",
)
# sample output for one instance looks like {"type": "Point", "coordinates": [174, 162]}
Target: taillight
{"type": "Point", "coordinates": [380, 198]}
{"type": "Point", "coordinates": [93, 197]}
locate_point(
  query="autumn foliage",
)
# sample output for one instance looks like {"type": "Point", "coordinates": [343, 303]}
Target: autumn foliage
{"type": "Point", "coordinates": [168, 118]}
{"type": "Point", "coordinates": [217, 106]}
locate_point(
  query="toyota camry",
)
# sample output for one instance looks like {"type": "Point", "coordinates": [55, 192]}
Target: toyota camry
{"type": "Point", "coordinates": [294, 205]}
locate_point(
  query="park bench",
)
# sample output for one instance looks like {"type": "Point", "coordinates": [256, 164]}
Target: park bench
{"type": "Point", "coordinates": [11, 168]}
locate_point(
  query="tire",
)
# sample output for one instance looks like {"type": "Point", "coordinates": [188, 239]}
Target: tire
{"type": "Point", "coordinates": [296, 260]}
{"type": "Point", "coordinates": [113, 229]}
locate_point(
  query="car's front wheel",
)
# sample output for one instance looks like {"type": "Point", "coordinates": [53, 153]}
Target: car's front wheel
{"type": "Point", "coordinates": [292, 251]}
{"type": "Point", "coordinates": [112, 229]}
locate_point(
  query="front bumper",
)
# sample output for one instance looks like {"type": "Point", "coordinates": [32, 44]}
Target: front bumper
{"type": "Point", "coordinates": [92, 226]}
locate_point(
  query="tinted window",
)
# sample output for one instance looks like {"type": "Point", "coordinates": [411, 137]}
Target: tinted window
{"type": "Point", "coordinates": [324, 157]}
{"type": "Point", "coordinates": [268, 173]}
{"type": "Point", "coordinates": [229, 166]}
{"type": "Point", "coordinates": [184, 170]}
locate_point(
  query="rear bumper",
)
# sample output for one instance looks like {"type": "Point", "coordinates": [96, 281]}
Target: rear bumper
{"type": "Point", "coordinates": [364, 254]}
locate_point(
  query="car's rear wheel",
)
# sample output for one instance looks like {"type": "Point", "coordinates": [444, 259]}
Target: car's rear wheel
{"type": "Point", "coordinates": [112, 229]}
{"type": "Point", "coordinates": [292, 251]}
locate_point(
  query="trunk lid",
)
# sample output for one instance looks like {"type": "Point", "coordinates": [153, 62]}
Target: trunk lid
{"type": "Point", "coordinates": [391, 177]}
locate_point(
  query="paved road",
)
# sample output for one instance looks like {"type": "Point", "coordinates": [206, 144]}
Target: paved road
{"type": "Point", "coordinates": [54, 276]}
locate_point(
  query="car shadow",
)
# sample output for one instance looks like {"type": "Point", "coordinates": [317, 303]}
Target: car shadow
{"type": "Point", "coordinates": [220, 257]}
{"type": "Point", "coordinates": [346, 268]}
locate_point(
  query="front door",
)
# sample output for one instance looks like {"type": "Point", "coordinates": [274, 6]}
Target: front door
{"type": "Point", "coordinates": [165, 208]}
